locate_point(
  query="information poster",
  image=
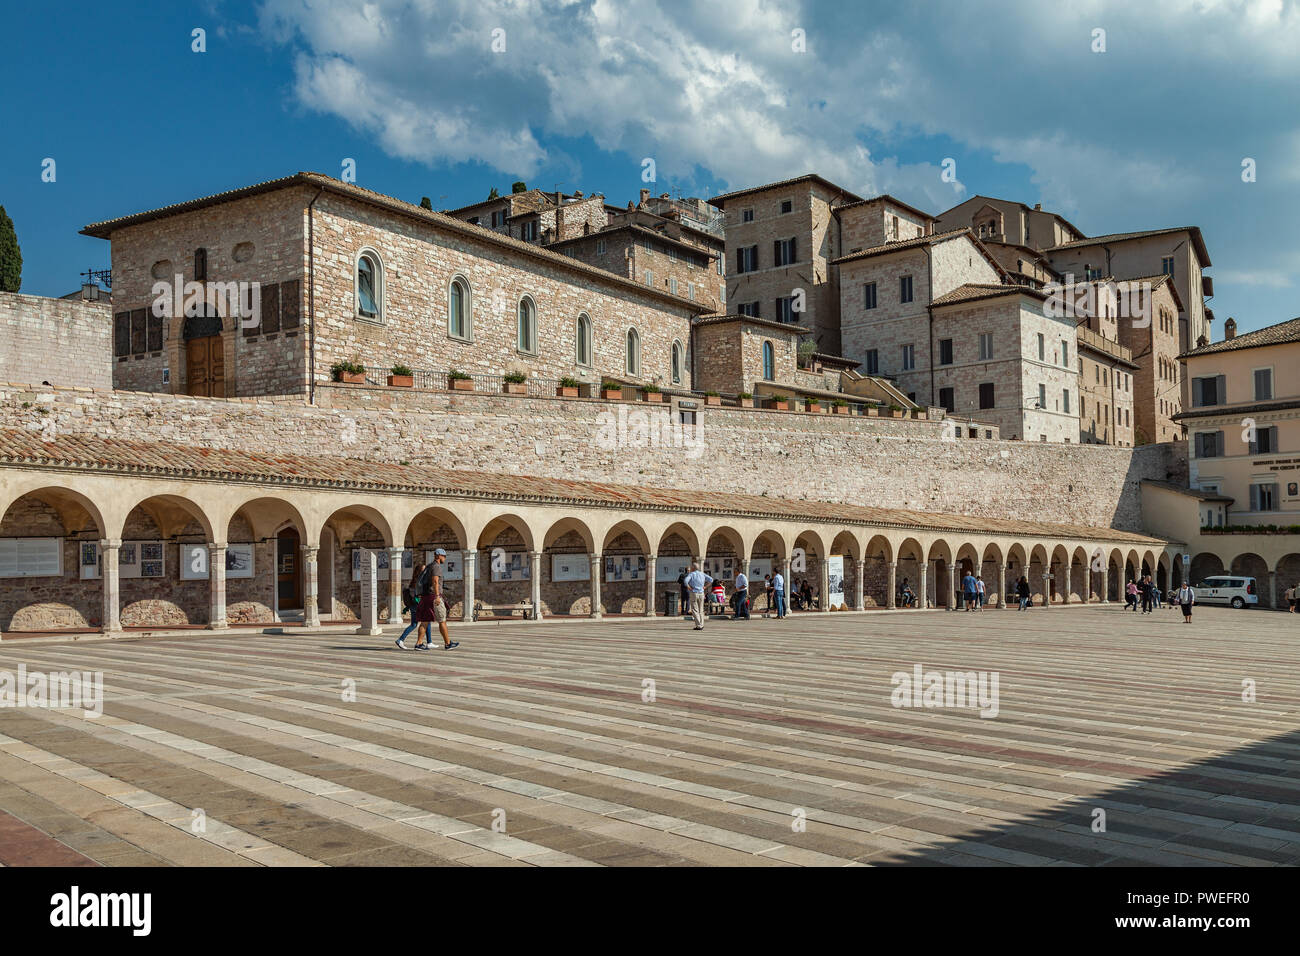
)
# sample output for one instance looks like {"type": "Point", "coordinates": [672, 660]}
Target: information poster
{"type": "Point", "coordinates": [570, 567]}
{"type": "Point", "coordinates": [835, 576]}
{"type": "Point", "coordinates": [670, 566]}
{"type": "Point", "coordinates": [625, 567]}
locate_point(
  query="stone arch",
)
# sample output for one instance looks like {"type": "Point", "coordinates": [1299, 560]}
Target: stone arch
{"type": "Point", "coordinates": [566, 545]}
{"type": "Point", "coordinates": [1205, 564]}
{"type": "Point", "coordinates": [436, 525]}
{"type": "Point", "coordinates": [156, 587]}
{"type": "Point", "coordinates": [940, 556]}
{"type": "Point", "coordinates": [1056, 583]}
{"type": "Point", "coordinates": [1082, 585]}
{"type": "Point", "coordinates": [912, 571]}
{"type": "Point", "coordinates": [1252, 565]}
{"type": "Point", "coordinates": [1286, 575]}
{"type": "Point", "coordinates": [625, 545]}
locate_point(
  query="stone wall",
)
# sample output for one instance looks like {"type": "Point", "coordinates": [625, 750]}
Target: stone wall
{"type": "Point", "coordinates": [61, 341]}
{"type": "Point", "coordinates": [891, 463]}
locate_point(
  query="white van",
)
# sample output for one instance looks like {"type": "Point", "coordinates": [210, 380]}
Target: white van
{"type": "Point", "coordinates": [1227, 589]}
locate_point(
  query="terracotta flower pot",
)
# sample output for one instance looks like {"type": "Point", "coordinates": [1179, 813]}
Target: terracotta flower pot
{"type": "Point", "coordinates": [353, 378]}
{"type": "Point", "coordinates": [746, 403]}
{"type": "Point", "coordinates": [612, 394]}
{"type": "Point", "coordinates": [654, 396]}
{"type": "Point", "coordinates": [516, 388]}
{"type": "Point", "coordinates": [712, 399]}
{"type": "Point", "coordinates": [814, 407]}
{"type": "Point", "coordinates": [462, 384]}
{"type": "Point", "coordinates": [781, 406]}
{"type": "Point", "coordinates": [566, 391]}
{"type": "Point", "coordinates": [873, 412]}
{"type": "Point", "coordinates": [840, 409]}
{"type": "Point", "coordinates": [401, 381]}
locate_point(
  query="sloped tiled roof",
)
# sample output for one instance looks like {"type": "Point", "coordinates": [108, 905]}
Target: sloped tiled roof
{"type": "Point", "coordinates": [145, 459]}
{"type": "Point", "coordinates": [917, 242]}
{"type": "Point", "coordinates": [972, 291]}
{"type": "Point", "coordinates": [1280, 334]}
{"type": "Point", "coordinates": [1197, 240]}
{"type": "Point", "coordinates": [852, 197]}
{"type": "Point", "coordinates": [1189, 492]}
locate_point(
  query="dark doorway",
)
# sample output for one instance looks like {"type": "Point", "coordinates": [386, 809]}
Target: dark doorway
{"type": "Point", "coordinates": [288, 570]}
{"type": "Point", "coordinates": [205, 355]}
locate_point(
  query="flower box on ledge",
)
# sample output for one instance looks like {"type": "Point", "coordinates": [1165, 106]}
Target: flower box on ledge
{"type": "Point", "coordinates": [746, 403]}
{"type": "Point", "coordinates": [612, 394]}
{"type": "Point", "coordinates": [814, 406]}
{"type": "Point", "coordinates": [712, 399]}
{"type": "Point", "coordinates": [840, 409]}
{"type": "Point", "coordinates": [566, 391]}
{"type": "Point", "coordinates": [462, 385]}
{"type": "Point", "coordinates": [401, 381]}
{"type": "Point", "coordinates": [654, 396]}
{"type": "Point", "coordinates": [519, 388]}
{"type": "Point", "coordinates": [352, 378]}
{"type": "Point", "coordinates": [780, 405]}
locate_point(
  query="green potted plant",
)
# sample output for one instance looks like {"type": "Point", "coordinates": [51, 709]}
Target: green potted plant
{"type": "Point", "coordinates": [460, 381]}
{"type": "Point", "coordinates": [746, 399]}
{"type": "Point", "coordinates": [611, 391]}
{"type": "Point", "coordinates": [513, 383]}
{"type": "Point", "coordinates": [712, 398]}
{"type": "Point", "coordinates": [840, 406]}
{"type": "Point", "coordinates": [568, 387]}
{"type": "Point", "coordinates": [781, 403]}
{"type": "Point", "coordinates": [813, 404]}
{"type": "Point", "coordinates": [871, 411]}
{"type": "Point", "coordinates": [349, 372]}
{"type": "Point", "coordinates": [895, 411]}
{"type": "Point", "coordinates": [400, 376]}
{"type": "Point", "coordinates": [652, 393]}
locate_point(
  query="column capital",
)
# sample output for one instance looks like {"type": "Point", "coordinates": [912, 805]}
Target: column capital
{"type": "Point", "coordinates": [469, 555]}
{"type": "Point", "coordinates": [309, 551]}
{"type": "Point", "coordinates": [217, 545]}
{"type": "Point", "coordinates": [395, 549]}
{"type": "Point", "coordinates": [105, 543]}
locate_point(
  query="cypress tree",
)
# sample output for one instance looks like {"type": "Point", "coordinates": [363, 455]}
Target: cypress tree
{"type": "Point", "coordinates": [11, 257]}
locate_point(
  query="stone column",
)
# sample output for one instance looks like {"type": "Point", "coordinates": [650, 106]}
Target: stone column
{"type": "Point", "coordinates": [954, 587]}
{"type": "Point", "coordinates": [310, 586]}
{"type": "Point", "coordinates": [109, 549]}
{"type": "Point", "coordinates": [649, 585]}
{"type": "Point", "coordinates": [395, 585]}
{"type": "Point", "coordinates": [891, 600]}
{"type": "Point", "coordinates": [1002, 586]}
{"type": "Point", "coordinates": [217, 579]}
{"type": "Point", "coordinates": [597, 567]}
{"type": "Point", "coordinates": [1047, 588]}
{"type": "Point", "coordinates": [535, 575]}
{"type": "Point", "coordinates": [859, 587]}
{"type": "Point", "coordinates": [1105, 583]}
{"type": "Point", "coordinates": [825, 585]}
{"type": "Point", "coordinates": [785, 579]}
{"type": "Point", "coordinates": [923, 593]}
{"type": "Point", "coordinates": [469, 562]}
{"type": "Point", "coordinates": [1065, 598]}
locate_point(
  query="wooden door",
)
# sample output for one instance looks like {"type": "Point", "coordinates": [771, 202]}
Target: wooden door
{"type": "Point", "coordinates": [205, 367]}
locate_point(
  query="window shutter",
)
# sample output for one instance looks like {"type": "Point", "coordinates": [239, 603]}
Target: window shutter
{"type": "Point", "coordinates": [155, 332]}
{"type": "Point", "coordinates": [776, 253]}
{"type": "Point", "coordinates": [1218, 444]}
{"type": "Point", "coordinates": [1254, 497]}
{"type": "Point", "coordinates": [794, 257]}
{"type": "Point", "coordinates": [270, 308]}
{"type": "Point", "coordinates": [122, 334]}
{"type": "Point", "coordinates": [289, 304]}
{"type": "Point", "coordinates": [1220, 391]}
{"type": "Point", "coordinates": [139, 331]}
{"type": "Point", "coordinates": [740, 260]}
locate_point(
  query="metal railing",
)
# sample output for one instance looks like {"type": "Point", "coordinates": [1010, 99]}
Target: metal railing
{"type": "Point", "coordinates": [483, 381]}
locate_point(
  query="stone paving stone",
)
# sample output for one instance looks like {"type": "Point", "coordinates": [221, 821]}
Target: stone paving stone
{"type": "Point", "coordinates": [1111, 712]}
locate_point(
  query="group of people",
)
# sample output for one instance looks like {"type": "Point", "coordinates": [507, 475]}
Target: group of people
{"type": "Point", "coordinates": [1144, 592]}
{"type": "Point", "coordinates": [699, 588]}
{"type": "Point", "coordinates": [424, 601]}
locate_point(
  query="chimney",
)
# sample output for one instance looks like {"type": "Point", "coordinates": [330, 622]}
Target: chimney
{"type": "Point", "coordinates": [645, 194]}
{"type": "Point", "coordinates": [1038, 207]}
{"type": "Point", "coordinates": [1230, 328]}
{"type": "Point", "coordinates": [577, 194]}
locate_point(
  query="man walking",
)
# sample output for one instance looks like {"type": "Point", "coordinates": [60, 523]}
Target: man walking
{"type": "Point", "coordinates": [969, 590]}
{"type": "Point", "coordinates": [440, 602]}
{"type": "Point", "coordinates": [696, 581]}
{"type": "Point", "coordinates": [741, 598]}
{"type": "Point", "coordinates": [979, 594]}
{"type": "Point", "coordinates": [778, 594]}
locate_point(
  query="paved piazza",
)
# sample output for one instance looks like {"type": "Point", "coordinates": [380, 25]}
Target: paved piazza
{"type": "Point", "coordinates": [753, 729]}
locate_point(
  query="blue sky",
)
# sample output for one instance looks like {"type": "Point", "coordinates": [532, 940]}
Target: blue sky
{"type": "Point", "coordinates": [1150, 132]}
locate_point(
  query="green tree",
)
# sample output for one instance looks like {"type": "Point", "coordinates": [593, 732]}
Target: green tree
{"type": "Point", "coordinates": [11, 257]}
{"type": "Point", "coordinates": [426, 203]}
{"type": "Point", "coordinates": [519, 187]}
{"type": "Point", "coordinates": [494, 194]}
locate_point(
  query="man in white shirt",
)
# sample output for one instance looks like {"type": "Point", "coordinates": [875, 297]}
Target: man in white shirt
{"type": "Point", "coordinates": [741, 597]}
{"type": "Point", "coordinates": [696, 581]}
{"type": "Point", "coordinates": [778, 592]}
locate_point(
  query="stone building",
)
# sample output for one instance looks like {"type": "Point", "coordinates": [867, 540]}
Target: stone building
{"type": "Point", "coordinates": [389, 283]}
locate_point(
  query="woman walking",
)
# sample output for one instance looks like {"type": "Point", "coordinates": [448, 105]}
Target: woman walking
{"type": "Point", "coordinates": [1186, 598]}
{"type": "Point", "coordinates": [1131, 596]}
{"type": "Point", "coordinates": [1022, 591]}
{"type": "Point", "coordinates": [411, 601]}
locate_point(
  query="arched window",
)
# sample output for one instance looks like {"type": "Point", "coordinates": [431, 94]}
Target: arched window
{"type": "Point", "coordinates": [459, 322]}
{"type": "Point", "coordinates": [200, 265]}
{"type": "Point", "coordinates": [370, 287]}
{"type": "Point", "coordinates": [678, 362]}
{"type": "Point", "coordinates": [582, 340]}
{"type": "Point", "coordinates": [526, 337]}
{"type": "Point", "coordinates": [633, 352]}
{"type": "Point", "coordinates": [769, 362]}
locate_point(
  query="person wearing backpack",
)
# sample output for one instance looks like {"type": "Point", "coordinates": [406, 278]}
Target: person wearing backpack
{"type": "Point", "coordinates": [410, 601]}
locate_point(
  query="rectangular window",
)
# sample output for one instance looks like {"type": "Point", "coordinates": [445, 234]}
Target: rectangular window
{"type": "Point", "coordinates": [748, 308]}
{"type": "Point", "coordinates": [986, 395]}
{"type": "Point", "coordinates": [649, 278]}
{"type": "Point", "coordinates": [893, 227]}
{"type": "Point", "coordinates": [747, 259]}
{"type": "Point", "coordinates": [747, 215]}
{"type": "Point", "coordinates": [945, 351]}
{"type": "Point", "coordinates": [1263, 384]}
{"type": "Point", "coordinates": [1263, 497]}
{"type": "Point", "coordinates": [270, 309]}
{"type": "Point", "coordinates": [873, 362]}
{"type": "Point", "coordinates": [528, 231]}
{"type": "Point", "coordinates": [785, 309]}
{"type": "Point", "coordinates": [869, 295]}
{"type": "Point", "coordinates": [947, 400]}
{"type": "Point", "coordinates": [905, 289]}
{"type": "Point", "coordinates": [1042, 397]}
{"type": "Point", "coordinates": [1042, 348]}
{"type": "Point", "coordinates": [672, 253]}
{"type": "Point", "coordinates": [783, 252]}
{"type": "Point", "coordinates": [31, 557]}
{"type": "Point", "coordinates": [1209, 444]}
{"type": "Point", "coordinates": [1265, 442]}
{"type": "Point", "coordinates": [289, 304]}
{"type": "Point", "coordinates": [909, 357]}
{"type": "Point", "coordinates": [1065, 353]}
{"type": "Point", "coordinates": [1208, 390]}
{"type": "Point", "coordinates": [122, 334]}
{"type": "Point", "coordinates": [1065, 400]}
{"type": "Point", "coordinates": [690, 290]}
{"type": "Point", "coordinates": [600, 247]}
{"type": "Point", "coordinates": [786, 206]}
{"type": "Point", "coordinates": [986, 346]}
{"type": "Point", "coordinates": [1167, 266]}
{"type": "Point", "coordinates": [498, 218]}
{"type": "Point", "coordinates": [672, 284]}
